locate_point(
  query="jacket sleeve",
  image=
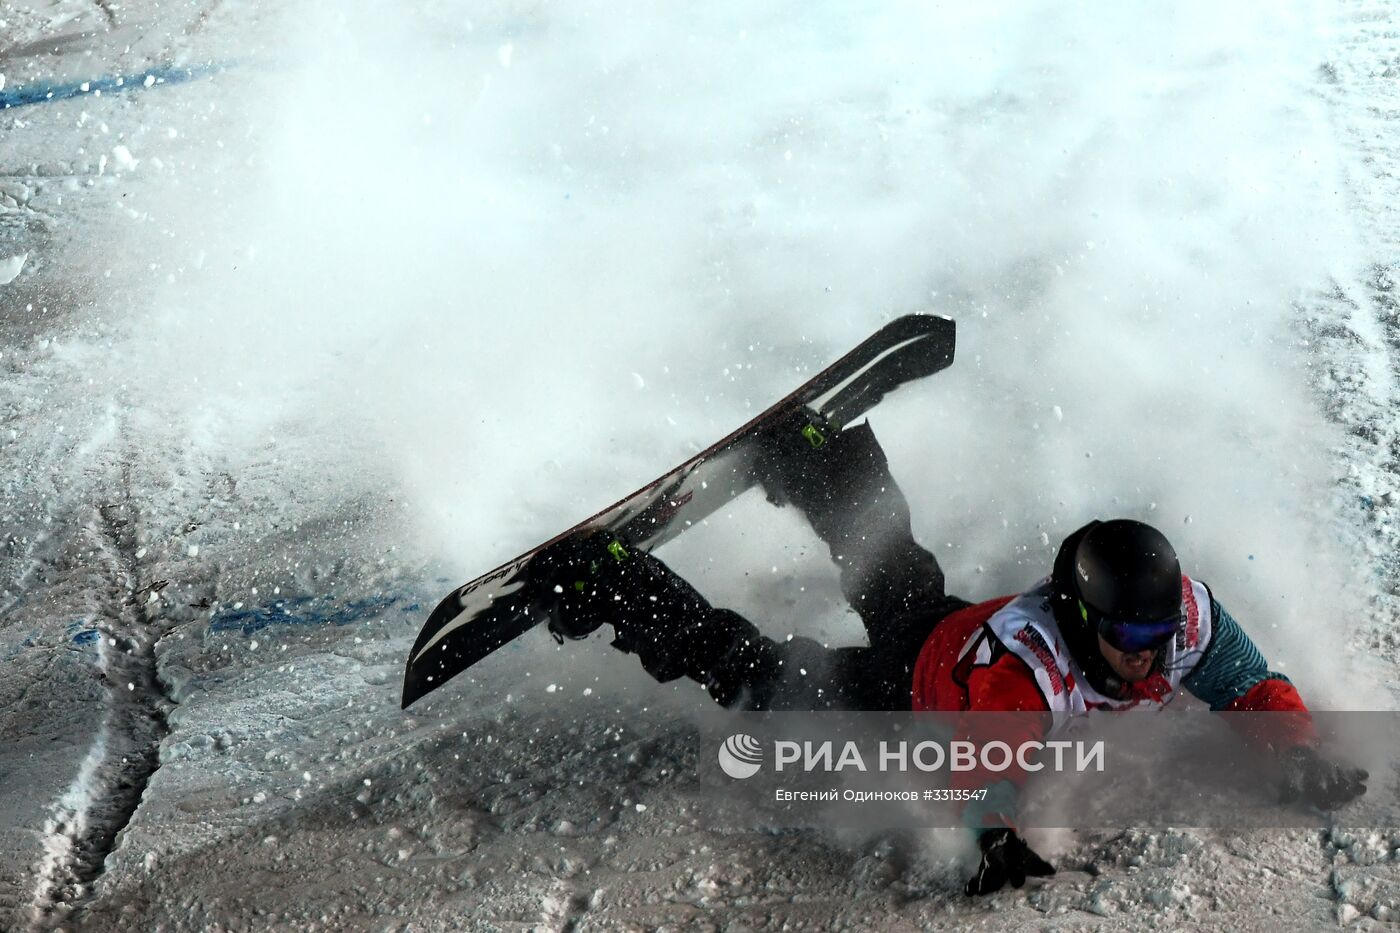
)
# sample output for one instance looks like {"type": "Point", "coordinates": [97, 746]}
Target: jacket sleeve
{"type": "Point", "coordinates": [1232, 668]}
{"type": "Point", "coordinates": [1005, 685]}
{"type": "Point", "coordinates": [1233, 676]}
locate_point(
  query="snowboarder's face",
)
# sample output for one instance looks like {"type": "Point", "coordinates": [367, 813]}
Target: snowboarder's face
{"type": "Point", "coordinates": [1129, 665]}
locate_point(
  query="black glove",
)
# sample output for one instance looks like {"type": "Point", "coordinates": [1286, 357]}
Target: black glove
{"type": "Point", "coordinates": [1005, 857]}
{"type": "Point", "coordinates": [1314, 780]}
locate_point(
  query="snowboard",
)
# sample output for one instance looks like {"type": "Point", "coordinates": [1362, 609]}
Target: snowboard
{"type": "Point", "coordinates": [481, 616]}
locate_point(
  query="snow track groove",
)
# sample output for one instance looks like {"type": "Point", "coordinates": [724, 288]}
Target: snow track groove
{"type": "Point", "coordinates": [1353, 329]}
{"type": "Point", "coordinates": [89, 821]}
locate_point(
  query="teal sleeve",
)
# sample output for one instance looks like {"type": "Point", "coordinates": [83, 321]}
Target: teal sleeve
{"type": "Point", "coordinates": [1231, 664]}
{"type": "Point", "coordinates": [999, 803]}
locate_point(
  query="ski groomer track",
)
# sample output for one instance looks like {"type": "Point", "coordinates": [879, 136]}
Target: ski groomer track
{"type": "Point", "coordinates": [88, 821]}
{"type": "Point", "coordinates": [1353, 328]}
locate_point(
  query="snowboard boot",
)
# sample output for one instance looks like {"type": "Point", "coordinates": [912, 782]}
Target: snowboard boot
{"type": "Point", "coordinates": [789, 451]}
{"type": "Point", "coordinates": [656, 615]}
{"type": "Point", "coordinates": [839, 479]}
{"type": "Point", "coordinates": [841, 482]}
{"type": "Point", "coordinates": [582, 577]}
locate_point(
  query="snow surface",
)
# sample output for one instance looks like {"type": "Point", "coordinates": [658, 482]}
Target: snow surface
{"type": "Point", "coordinates": [388, 296]}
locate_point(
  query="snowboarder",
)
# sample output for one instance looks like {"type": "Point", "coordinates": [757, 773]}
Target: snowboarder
{"type": "Point", "coordinates": [1114, 625]}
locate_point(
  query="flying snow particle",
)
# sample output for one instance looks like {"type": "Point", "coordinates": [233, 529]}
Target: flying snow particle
{"type": "Point", "coordinates": [150, 79]}
{"type": "Point", "coordinates": [192, 550]}
{"type": "Point", "coordinates": [1059, 415]}
{"type": "Point", "coordinates": [639, 381]}
{"type": "Point", "coordinates": [551, 688]}
{"type": "Point", "coordinates": [504, 54]}
{"type": "Point", "coordinates": [123, 156]}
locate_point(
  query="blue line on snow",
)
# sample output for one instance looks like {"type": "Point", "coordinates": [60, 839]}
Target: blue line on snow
{"type": "Point", "coordinates": [301, 610]}
{"type": "Point", "coordinates": [80, 633]}
{"type": "Point", "coordinates": [47, 93]}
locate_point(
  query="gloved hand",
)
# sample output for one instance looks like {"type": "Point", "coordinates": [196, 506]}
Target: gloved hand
{"type": "Point", "coordinates": [1312, 779]}
{"type": "Point", "coordinates": [1005, 858]}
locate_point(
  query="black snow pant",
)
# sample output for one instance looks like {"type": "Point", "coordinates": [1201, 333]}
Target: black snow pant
{"type": "Point", "coordinates": [845, 490]}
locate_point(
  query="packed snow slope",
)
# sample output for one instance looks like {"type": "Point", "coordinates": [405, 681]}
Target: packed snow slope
{"type": "Point", "coordinates": [311, 312]}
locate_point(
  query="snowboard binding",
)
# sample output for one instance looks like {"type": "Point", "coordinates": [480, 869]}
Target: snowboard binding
{"type": "Point", "coordinates": [809, 461]}
{"type": "Point", "coordinates": [787, 452]}
{"type": "Point", "coordinates": [593, 578]}
{"type": "Point", "coordinates": [596, 577]}
{"type": "Point", "coordinates": [579, 577]}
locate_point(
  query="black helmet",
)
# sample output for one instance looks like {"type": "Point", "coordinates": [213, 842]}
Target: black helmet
{"type": "Point", "coordinates": [1123, 580]}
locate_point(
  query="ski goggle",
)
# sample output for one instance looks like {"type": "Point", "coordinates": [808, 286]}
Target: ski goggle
{"type": "Point", "coordinates": [1132, 636]}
